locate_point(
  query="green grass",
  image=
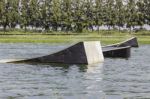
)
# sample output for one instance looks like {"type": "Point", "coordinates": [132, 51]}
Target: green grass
{"type": "Point", "coordinates": [105, 38]}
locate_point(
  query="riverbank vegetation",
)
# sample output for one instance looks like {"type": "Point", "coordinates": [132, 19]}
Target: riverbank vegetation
{"type": "Point", "coordinates": [106, 37]}
{"type": "Point", "coordinates": [73, 15]}
{"type": "Point", "coordinates": [61, 21]}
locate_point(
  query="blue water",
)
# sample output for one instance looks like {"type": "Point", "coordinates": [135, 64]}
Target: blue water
{"type": "Point", "coordinates": [113, 79]}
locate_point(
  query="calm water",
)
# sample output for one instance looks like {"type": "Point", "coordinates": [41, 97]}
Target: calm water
{"type": "Point", "coordinates": [114, 79]}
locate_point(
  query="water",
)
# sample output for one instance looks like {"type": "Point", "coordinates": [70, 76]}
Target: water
{"type": "Point", "coordinates": [113, 79]}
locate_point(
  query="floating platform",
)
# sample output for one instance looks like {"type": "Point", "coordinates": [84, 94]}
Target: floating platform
{"type": "Point", "coordinates": [80, 53]}
{"type": "Point", "coordinates": [122, 52]}
{"type": "Point", "coordinates": [122, 49]}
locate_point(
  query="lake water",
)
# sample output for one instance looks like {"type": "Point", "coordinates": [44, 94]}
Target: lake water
{"type": "Point", "coordinates": [113, 79]}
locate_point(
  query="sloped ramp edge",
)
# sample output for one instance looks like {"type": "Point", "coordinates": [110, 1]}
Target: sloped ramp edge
{"type": "Point", "coordinates": [88, 52]}
{"type": "Point", "coordinates": [133, 42]}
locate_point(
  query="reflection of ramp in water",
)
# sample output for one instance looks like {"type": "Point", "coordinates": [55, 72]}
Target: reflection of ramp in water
{"type": "Point", "coordinates": [80, 53]}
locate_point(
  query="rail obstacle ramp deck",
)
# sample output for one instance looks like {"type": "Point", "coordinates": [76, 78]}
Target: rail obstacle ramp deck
{"type": "Point", "coordinates": [133, 42]}
{"type": "Point", "coordinates": [122, 49]}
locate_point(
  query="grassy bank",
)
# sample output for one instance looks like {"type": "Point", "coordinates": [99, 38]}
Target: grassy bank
{"type": "Point", "coordinates": [105, 38]}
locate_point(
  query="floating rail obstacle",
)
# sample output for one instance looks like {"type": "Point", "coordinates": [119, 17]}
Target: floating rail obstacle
{"type": "Point", "coordinates": [133, 42]}
{"type": "Point", "coordinates": [122, 49]}
{"type": "Point", "coordinates": [80, 53]}
{"type": "Point", "coordinates": [87, 52]}
{"type": "Point", "coordinates": [123, 52]}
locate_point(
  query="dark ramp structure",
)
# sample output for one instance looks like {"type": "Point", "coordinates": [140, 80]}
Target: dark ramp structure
{"type": "Point", "coordinates": [122, 52]}
{"type": "Point", "coordinates": [80, 53]}
{"type": "Point", "coordinates": [122, 49]}
{"type": "Point", "coordinates": [88, 52]}
{"type": "Point", "coordinates": [130, 42]}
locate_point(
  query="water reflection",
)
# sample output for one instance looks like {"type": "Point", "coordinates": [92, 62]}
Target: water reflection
{"type": "Point", "coordinates": [95, 68]}
{"type": "Point", "coordinates": [93, 81]}
{"type": "Point", "coordinates": [50, 80]}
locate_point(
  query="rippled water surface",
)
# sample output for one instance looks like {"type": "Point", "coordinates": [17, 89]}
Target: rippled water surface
{"type": "Point", "coordinates": [113, 79]}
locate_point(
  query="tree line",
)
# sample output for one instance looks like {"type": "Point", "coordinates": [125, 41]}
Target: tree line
{"type": "Point", "coordinates": [74, 15]}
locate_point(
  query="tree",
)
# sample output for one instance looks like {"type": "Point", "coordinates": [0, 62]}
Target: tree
{"type": "Point", "coordinates": [147, 11]}
{"type": "Point", "coordinates": [1, 11]}
{"type": "Point", "coordinates": [13, 13]}
{"type": "Point", "coordinates": [34, 13]}
{"type": "Point", "coordinates": [46, 14]}
{"type": "Point", "coordinates": [120, 13]}
{"type": "Point", "coordinates": [131, 14]}
{"type": "Point", "coordinates": [74, 15]}
{"type": "Point", "coordinates": [89, 14]}
{"type": "Point", "coordinates": [109, 13]}
{"type": "Point", "coordinates": [141, 13]}
{"type": "Point", "coordinates": [98, 13]}
{"type": "Point", "coordinates": [5, 15]}
{"type": "Point", "coordinates": [78, 15]}
{"type": "Point", "coordinates": [25, 14]}
{"type": "Point", "coordinates": [56, 14]}
{"type": "Point", "coordinates": [68, 14]}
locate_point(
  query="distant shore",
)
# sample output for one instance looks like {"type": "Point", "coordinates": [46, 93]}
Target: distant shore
{"type": "Point", "coordinates": [106, 37]}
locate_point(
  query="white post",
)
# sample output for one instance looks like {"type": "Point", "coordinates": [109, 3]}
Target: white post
{"type": "Point", "coordinates": [93, 51]}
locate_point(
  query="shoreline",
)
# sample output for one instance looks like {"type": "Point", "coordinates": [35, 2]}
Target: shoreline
{"type": "Point", "coordinates": [110, 38]}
